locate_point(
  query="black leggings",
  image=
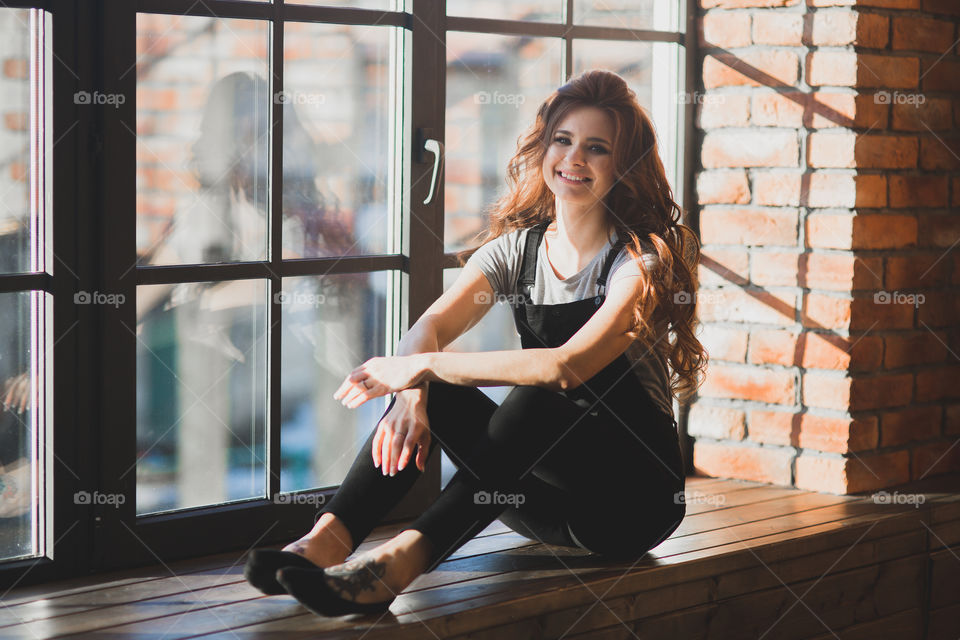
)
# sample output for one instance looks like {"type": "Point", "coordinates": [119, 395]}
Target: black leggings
{"type": "Point", "coordinates": [542, 464]}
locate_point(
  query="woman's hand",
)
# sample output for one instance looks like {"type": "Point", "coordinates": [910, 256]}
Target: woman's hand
{"type": "Point", "coordinates": [16, 393]}
{"type": "Point", "coordinates": [404, 428]}
{"type": "Point", "coordinates": [380, 376]}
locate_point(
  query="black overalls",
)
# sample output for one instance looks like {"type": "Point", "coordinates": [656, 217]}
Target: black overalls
{"type": "Point", "coordinates": [597, 466]}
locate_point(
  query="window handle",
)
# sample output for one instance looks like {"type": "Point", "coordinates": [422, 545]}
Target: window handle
{"type": "Point", "coordinates": [436, 148]}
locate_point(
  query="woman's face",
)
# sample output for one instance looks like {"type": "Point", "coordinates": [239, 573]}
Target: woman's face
{"type": "Point", "coordinates": [578, 164]}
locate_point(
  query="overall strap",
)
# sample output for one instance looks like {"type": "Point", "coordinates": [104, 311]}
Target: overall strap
{"type": "Point", "coordinates": [611, 256]}
{"type": "Point", "coordinates": [528, 268]}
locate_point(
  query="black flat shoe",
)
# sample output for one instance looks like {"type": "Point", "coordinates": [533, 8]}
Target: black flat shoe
{"type": "Point", "coordinates": [310, 588]}
{"type": "Point", "coordinates": [262, 564]}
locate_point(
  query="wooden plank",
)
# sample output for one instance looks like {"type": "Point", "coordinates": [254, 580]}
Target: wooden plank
{"type": "Point", "coordinates": [944, 623]}
{"type": "Point", "coordinates": [662, 600]}
{"type": "Point", "coordinates": [944, 578]}
{"type": "Point", "coordinates": [906, 625]}
{"type": "Point", "coordinates": [470, 603]}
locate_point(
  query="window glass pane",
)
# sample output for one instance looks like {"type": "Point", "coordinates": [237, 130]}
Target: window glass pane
{"type": "Point", "coordinates": [24, 102]}
{"type": "Point", "coordinates": [201, 393]}
{"type": "Point", "coordinates": [203, 114]}
{"type": "Point", "coordinates": [385, 5]}
{"type": "Point", "coordinates": [331, 325]}
{"type": "Point", "coordinates": [496, 331]}
{"type": "Point", "coordinates": [534, 10]}
{"type": "Point", "coordinates": [22, 345]}
{"type": "Point", "coordinates": [494, 85]}
{"type": "Point", "coordinates": [654, 71]}
{"type": "Point", "coordinates": [339, 123]}
{"type": "Point", "coordinates": [628, 14]}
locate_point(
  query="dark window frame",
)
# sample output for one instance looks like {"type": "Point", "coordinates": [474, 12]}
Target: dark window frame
{"type": "Point", "coordinates": [94, 231]}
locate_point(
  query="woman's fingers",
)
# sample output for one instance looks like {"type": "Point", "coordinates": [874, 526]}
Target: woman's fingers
{"type": "Point", "coordinates": [377, 443]}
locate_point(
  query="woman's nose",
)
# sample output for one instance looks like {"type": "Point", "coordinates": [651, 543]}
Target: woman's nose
{"type": "Point", "coordinates": [575, 155]}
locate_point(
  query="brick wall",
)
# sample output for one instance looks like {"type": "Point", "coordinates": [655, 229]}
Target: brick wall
{"type": "Point", "coordinates": [828, 193]}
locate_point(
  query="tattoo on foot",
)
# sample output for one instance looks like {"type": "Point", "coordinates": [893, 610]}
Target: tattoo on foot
{"type": "Point", "coordinates": [361, 574]}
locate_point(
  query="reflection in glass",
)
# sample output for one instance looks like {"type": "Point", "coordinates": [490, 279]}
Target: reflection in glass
{"type": "Point", "coordinates": [26, 147]}
{"type": "Point", "coordinates": [533, 10]}
{"type": "Point", "coordinates": [201, 393]}
{"type": "Point", "coordinates": [203, 114]}
{"type": "Point", "coordinates": [22, 345]}
{"type": "Point", "coordinates": [626, 14]}
{"type": "Point", "coordinates": [331, 325]}
{"type": "Point", "coordinates": [645, 65]}
{"type": "Point", "coordinates": [494, 85]}
{"type": "Point", "coordinates": [384, 5]}
{"type": "Point", "coordinates": [337, 182]}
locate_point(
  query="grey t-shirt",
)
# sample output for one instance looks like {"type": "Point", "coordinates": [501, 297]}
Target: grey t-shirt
{"type": "Point", "coordinates": [500, 260]}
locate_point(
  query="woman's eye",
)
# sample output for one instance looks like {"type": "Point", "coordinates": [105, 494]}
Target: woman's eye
{"type": "Point", "coordinates": [599, 149]}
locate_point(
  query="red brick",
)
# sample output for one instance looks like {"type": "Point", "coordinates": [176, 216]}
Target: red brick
{"type": "Point", "coordinates": [845, 27]}
{"type": "Point", "coordinates": [921, 33]}
{"type": "Point", "coordinates": [952, 423]}
{"type": "Point", "coordinates": [739, 4]}
{"type": "Point", "coordinates": [725, 29]}
{"type": "Point", "coordinates": [857, 394]}
{"type": "Point", "coordinates": [932, 114]}
{"type": "Point", "coordinates": [883, 310]}
{"type": "Point", "coordinates": [16, 68]}
{"type": "Point", "coordinates": [886, 4]}
{"type": "Point", "coordinates": [948, 7]}
{"type": "Point", "coordinates": [842, 475]}
{"type": "Point", "coordinates": [809, 431]}
{"type": "Point", "coordinates": [923, 347]}
{"type": "Point", "coordinates": [826, 312]}
{"type": "Point", "coordinates": [724, 343]}
{"type": "Point", "coordinates": [847, 190]}
{"type": "Point", "coordinates": [939, 230]}
{"type": "Point", "coordinates": [840, 231]}
{"type": "Point", "coordinates": [840, 271]}
{"type": "Point", "coordinates": [912, 423]}
{"type": "Point", "coordinates": [774, 268]}
{"type": "Point", "coordinates": [918, 191]}
{"type": "Point", "coordinates": [723, 110]}
{"type": "Point", "coordinates": [938, 309]}
{"type": "Point", "coordinates": [773, 346]}
{"type": "Point", "coordinates": [940, 74]}
{"type": "Point", "coordinates": [770, 67]}
{"type": "Point", "coordinates": [737, 305]}
{"type": "Point", "coordinates": [917, 271]}
{"type": "Point", "coordinates": [777, 28]}
{"type": "Point", "coordinates": [936, 458]}
{"type": "Point", "coordinates": [725, 186]}
{"type": "Point", "coordinates": [754, 463]}
{"type": "Point", "coordinates": [750, 383]}
{"type": "Point", "coordinates": [750, 148]}
{"type": "Point", "coordinates": [725, 266]}
{"type": "Point", "coordinates": [938, 383]}
{"type": "Point", "coordinates": [777, 188]}
{"type": "Point", "coordinates": [776, 109]}
{"type": "Point", "coordinates": [940, 153]}
{"type": "Point", "coordinates": [866, 151]}
{"type": "Point", "coordinates": [719, 423]}
{"type": "Point", "coordinates": [748, 226]}
{"type": "Point", "coordinates": [830, 351]}
{"type": "Point", "coordinates": [831, 108]}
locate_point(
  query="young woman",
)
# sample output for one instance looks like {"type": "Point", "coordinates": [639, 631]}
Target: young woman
{"type": "Point", "coordinates": [584, 450]}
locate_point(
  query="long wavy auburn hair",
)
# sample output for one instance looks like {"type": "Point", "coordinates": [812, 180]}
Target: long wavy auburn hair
{"type": "Point", "coordinates": [640, 207]}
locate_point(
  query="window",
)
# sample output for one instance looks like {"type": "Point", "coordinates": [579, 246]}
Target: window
{"type": "Point", "coordinates": [213, 211]}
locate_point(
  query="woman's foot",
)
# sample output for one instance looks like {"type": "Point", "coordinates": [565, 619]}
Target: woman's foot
{"type": "Point", "coordinates": [327, 544]}
{"type": "Point", "coordinates": [373, 578]}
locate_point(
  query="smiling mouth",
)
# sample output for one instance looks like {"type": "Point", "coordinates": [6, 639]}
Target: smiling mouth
{"type": "Point", "coordinates": [572, 179]}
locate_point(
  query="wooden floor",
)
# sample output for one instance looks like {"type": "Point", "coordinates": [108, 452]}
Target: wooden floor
{"type": "Point", "coordinates": [749, 561]}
